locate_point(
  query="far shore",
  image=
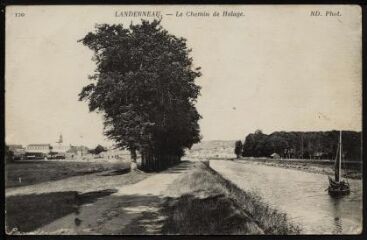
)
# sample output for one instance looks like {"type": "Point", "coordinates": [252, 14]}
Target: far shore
{"type": "Point", "coordinates": [313, 166]}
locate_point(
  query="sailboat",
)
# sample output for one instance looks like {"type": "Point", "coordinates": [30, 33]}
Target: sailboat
{"type": "Point", "coordinates": [338, 187]}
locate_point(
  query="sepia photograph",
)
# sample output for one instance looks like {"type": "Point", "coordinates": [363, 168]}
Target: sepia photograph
{"type": "Point", "coordinates": [183, 120]}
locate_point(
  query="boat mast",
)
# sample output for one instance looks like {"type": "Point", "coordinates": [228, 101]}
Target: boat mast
{"type": "Point", "coordinates": [340, 154]}
{"type": "Point", "coordinates": [301, 145]}
{"type": "Point", "coordinates": [338, 161]}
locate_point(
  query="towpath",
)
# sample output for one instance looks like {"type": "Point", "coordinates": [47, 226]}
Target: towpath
{"type": "Point", "coordinates": [109, 207]}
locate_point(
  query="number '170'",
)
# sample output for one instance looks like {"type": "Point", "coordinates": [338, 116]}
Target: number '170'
{"type": "Point", "coordinates": [20, 14]}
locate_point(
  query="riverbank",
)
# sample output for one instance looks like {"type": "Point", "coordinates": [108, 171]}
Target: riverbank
{"type": "Point", "coordinates": [320, 168]}
{"type": "Point", "coordinates": [206, 203]}
{"type": "Point", "coordinates": [301, 195]}
{"type": "Point", "coordinates": [190, 198]}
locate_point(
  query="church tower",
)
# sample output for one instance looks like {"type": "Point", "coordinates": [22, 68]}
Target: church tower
{"type": "Point", "coordinates": [60, 139]}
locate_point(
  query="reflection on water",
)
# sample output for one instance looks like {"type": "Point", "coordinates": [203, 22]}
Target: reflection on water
{"type": "Point", "coordinates": [301, 195]}
{"type": "Point", "coordinates": [337, 219]}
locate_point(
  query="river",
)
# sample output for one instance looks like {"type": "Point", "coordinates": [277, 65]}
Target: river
{"type": "Point", "coordinates": [301, 195]}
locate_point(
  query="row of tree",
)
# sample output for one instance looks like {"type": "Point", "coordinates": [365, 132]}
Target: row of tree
{"type": "Point", "coordinates": [144, 85]}
{"type": "Point", "coordinates": [315, 145]}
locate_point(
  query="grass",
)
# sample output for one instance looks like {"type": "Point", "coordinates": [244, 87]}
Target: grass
{"type": "Point", "coordinates": [25, 213]}
{"type": "Point", "coordinates": [207, 203]}
{"type": "Point", "coordinates": [33, 172]}
{"type": "Point", "coordinates": [214, 215]}
{"type": "Point", "coordinates": [29, 210]}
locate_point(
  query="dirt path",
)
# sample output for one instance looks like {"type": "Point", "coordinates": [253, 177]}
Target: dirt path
{"type": "Point", "coordinates": [129, 209]}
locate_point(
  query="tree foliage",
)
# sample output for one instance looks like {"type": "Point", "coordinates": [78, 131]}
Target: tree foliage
{"type": "Point", "coordinates": [238, 148]}
{"type": "Point", "coordinates": [144, 86]}
{"type": "Point", "coordinates": [8, 154]}
{"type": "Point", "coordinates": [319, 145]}
{"type": "Point", "coordinates": [99, 149]}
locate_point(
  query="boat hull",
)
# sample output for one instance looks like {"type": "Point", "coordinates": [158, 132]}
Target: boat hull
{"type": "Point", "coordinates": [338, 192]}
{"type": "Point", "coordinates": [338, 189]}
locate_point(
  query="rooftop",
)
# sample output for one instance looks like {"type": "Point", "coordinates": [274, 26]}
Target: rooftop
{"type": "Point", "coordinates": [38, 145]}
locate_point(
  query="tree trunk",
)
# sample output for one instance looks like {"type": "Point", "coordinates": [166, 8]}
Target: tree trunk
{"type": "Point", "coordinates": [133, 155]}
{"type": "Point", "coordinates": [133, 165]}
{"type": "Point", "coordinates": [143, 160]}
{"type": "Point", "coordinates": [157, 162]}
{"type": "Point", "coordinates": [147, 160]}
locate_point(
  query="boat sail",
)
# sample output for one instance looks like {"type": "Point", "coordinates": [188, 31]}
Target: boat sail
{"type": "Point", "coordinates": [338, 187]}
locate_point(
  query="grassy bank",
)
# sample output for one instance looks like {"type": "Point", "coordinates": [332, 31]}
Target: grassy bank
{"type": "Point", "coordinates": [33, 172]}
{"type": "Point", "coordinates": [206, 203]}
{"type": "Point", "coordinates": [25, 213]}
{"type": "Point", "coordinates": [327, 168]}
{"type": "Point", "coordinates": [36, 207]}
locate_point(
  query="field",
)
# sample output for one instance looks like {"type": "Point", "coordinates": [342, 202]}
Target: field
{"type": "Point", "coordinates": [32, 172]}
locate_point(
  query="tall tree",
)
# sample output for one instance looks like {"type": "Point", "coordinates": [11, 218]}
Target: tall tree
{"type": "Point", "coordinates": [238, 148]}
{"type": "Point", "coordinates": [145, 87]}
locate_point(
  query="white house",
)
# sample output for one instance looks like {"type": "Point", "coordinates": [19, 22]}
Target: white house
{"type": "Point", "coordinates": [59, 148]}
{"type": "Point", "coordinates": [38, 148]}
{"type": "Point", "coordinates": [115, 153]}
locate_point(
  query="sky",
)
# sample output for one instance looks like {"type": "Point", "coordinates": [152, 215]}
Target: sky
{"type": "Point", "coordinates": [276, 68]}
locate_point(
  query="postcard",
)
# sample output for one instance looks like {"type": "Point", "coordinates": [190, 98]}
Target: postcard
{"type": "Point", "coordinates": [183, 119]}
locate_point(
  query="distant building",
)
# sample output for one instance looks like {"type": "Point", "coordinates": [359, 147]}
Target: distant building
{"type": "Point", "coordinates": [15, 147]}
{"type": "Point", "coordinates": [320, 155]}
{"type": "Point", "coordinates": [38, 148]}
{"type": "Point", "coordinates": [17, 150]}
{"type": "Point", "coordinates": [275, 156]}
{"type": "Point", "coordinates": [34, 151]}
{"type": "Point", "coordinates": [115, 153]}
{"type": "Point", "coordinates": [77, 151]}
{"type": "Point", "coordinates": [58, 148]}
{"type": "Point", "coordinates": [60, 140]}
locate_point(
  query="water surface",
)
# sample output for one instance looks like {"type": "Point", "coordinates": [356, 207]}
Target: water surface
{"type": "Point", "coordinates": [300, 194]}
